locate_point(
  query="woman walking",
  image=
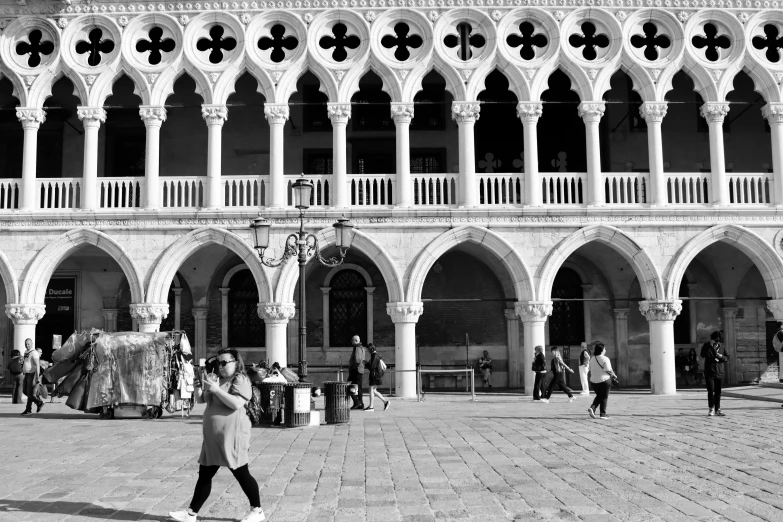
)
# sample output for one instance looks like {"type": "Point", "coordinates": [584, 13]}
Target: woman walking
{"type": "Point", "coordinates": [601, 375]}
{"type": "Point", "coordinates": [558, 367]}
{"type": "Point", "coordinates": [539, 367]}
{"type": "Point", "coordinates": [226, 429]}
{"type": "Point", "coordinates": [715, 358]}
{"type": "Point", "coordinates": [376, 378]}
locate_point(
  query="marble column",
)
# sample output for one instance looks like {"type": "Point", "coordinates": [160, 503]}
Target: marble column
{"type": "Point", "coordinates": [405, 316]}
{"type": "Point", "coordinates": [529, 113]}
{"type": "Point", "coordinates": [534, 315]}
{"type": "Point", "coordinates": [692, 311]}
{"type": "Point", "coordinates": [276, 317]}
{"type": "Point", "coordinates": [514, 353]}
{"type": "Point", "coordinates": [31, 119]}
{"type": "Point", "coordinates": [177, 308]}
{"type": "Point", "coordinates": [466, 114]}
{"type": "Point", "coordinates": [215, 116]}
{"type": "Point", "coordinates": [776, 307]}
{"type": "Point", "coordinates": [276, 114]}
{"type": "Point", "coordinates": [224, 316]}
{"type": "Point", "coordinates": [370, 316]}
{"type": "Point", "coordinates": [621, 342]}
{"type": "Point", "coordinates": [653, 113]}
{"type": "Point", "coordinates": [325, 291]}
{"type": "Point", "coordinates": [200, 342]}
{"type": "Point", "coordinates": [715, 113]}
{"type": "Point", "coordinates": [730, 340]}
{"type": "Point", "coordinates": [149, 316]}
{"type": "Point", "coordinates": [153, 118]}
{"type": "Point", "coordinates": [402, 114]}
{"type": "Point", "coordinates": [91, 117]}
{"type": "Point", "coordinates": [339, 113]}
{"type": "Point", "coordinates": [773, 112]}
{"type": "Point", "coordinates": [592, 112]}
{"type": "Point", "coordinates": [25, 317]}
{"type": "Point", "coordinates": [109, 319]}
{"type": "Point", "coordinates": [660, 315]}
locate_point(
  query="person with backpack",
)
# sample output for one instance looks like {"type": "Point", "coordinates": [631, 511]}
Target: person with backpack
{"type": "Point", "coordinates": [226, 430]}
{"type": "Point", "coordinates": [558, 368]}
{"type": "Point", "coordinates": [376, 367]}
{"type": "Point", "coordinates": [17, 377]}
{"type": "Point", "coordinates": [356, 366]}
{"type": "Point", "coordinates": [539, 367]}
{"type": "Point", "coordinates": [715, 358]}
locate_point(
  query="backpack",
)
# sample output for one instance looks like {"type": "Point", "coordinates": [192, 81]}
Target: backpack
{"type": "Point", "coordinates": [253, 406]}
{"type": "Point", "coordinates": [380, 368]}
{"type": "Point", "coordinates": [15, 366]}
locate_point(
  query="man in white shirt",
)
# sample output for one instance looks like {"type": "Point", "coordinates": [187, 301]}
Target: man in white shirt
{"type": "Point", "coordinates": [584, 361]}
{"type": "Point", "coordinates": [32, 379]}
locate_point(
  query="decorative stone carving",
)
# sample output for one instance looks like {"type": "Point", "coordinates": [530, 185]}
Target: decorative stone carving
{"type": "Point", "coordinates": [465, 112]}
{"type": "Point", "coordinates": [276, 313]}
{"type": "Point", "coordinates": [660, 310]}
{"type": "Point", "coordinates": [91, 116]}
{"type": "Point", "coordinates": [28, 80]}
{"type": "Point", "coordinates": [276, 113]}
{"type": "Point", "coordinates": [773, 112]}
{"type": "Point", "coordinates": [533, 311]}
{"type": "Point", "coordinates": [339, 112]}
{"type": "Point", "coordinates": [152, 116]}
{"type": "Point", "coordinates": [714, 112]}
{"type": "Point", "coordinates": [213, 76]}
{"type": "Point", "coordinates": [30, 117]}
{"type": "Point", "coordinates": [405, 312]}
{"type": "Point", "coordinates": [653, 112]}
{"type": "Point", "coordinates": [214, 114]}
{"type": "Point", "coordinates": [276, 75]}
{"type": "Point", "coordinates": [591, 111]}
{"type": "Point", "coordinates": [151, 77]}
{"type": "Point", "coordinates": [25, 314]}
{"type": "Point", "coordinates": [90, 79]}
{"type": "Point", "coordinates": [775, 306]}
{"type": "Point", "coordinates": [146, 313]}
{"type": "Point", "coordinates": [402, 112]}
{"type": "Point", "coordinates": [529, 112]}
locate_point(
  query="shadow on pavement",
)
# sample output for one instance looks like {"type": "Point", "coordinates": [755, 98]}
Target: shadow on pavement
{"type": "Point", "coordinates": [83, 509]}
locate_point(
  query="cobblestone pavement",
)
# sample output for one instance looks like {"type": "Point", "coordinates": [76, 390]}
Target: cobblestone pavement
{"type": "Point", "coordinates": [501, 458]}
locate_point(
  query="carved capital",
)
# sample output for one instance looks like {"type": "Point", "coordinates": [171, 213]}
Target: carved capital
{"type": "Point", "coordinates": [109, 313]}
{"type": "Point", "coordinates": [276, 113]}
{"type": "Point", "coordinates": [152, 116]}
{"type": "Point", "coordinates": [91, 116]}
{"type": "Point", "coordinates": [653, 112]}
{"type": "Point", "coordinates": [660, 310]}
{"type": "Point", "coordinates": [533, 311]}
{"type": "Point", "coordinates": [405, 312]}
{"type": "Point", "coordinates": [621, 313]}
{"type": "Point", "coordinates": [224, 291]}
{"type": "Point", "coordinates": [200, 314]}
{"type": "Point", "coordinates": [775, 306]}
{"type": "Point", "coordinates": [592, 112]}
{"type": "Point", "coordinates": [339, 112]}
{"type": "Point", "coordinates": [714, 112]}
{"type": "Point", "coordinates": [276, 313]}
{"type": "Point", "coordinates": [214, 114]}
{"type": "Point", "coordinates": [529, 112]}
{"type": "Point", "coordinates": [146, 313]}
{"type": "Point", "coordinates": [25, 314]}
{"type": "Point", "coordinates": [402, 112]}
{"type": "Point", "coordinates": [30, 117]}
{"type": "Point", "coordinates": [465, 112]}
{"type": "Point", "coordinates": [773, 112]}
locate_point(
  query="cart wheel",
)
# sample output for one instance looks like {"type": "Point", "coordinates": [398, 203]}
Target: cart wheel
{"type": "Point", "coordinates": [156, 412]}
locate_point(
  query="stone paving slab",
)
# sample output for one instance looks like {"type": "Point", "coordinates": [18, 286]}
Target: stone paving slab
{"type": "Point", "coordinates": [447, 458]}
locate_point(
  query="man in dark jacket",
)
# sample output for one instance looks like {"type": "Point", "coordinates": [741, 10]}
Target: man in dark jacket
{"type": "Point", "coordinates": [539, 367]}
{"type": "Point", "coordinates": [715, 357]}
{"type": "Point", "coordinates": [356, 371]}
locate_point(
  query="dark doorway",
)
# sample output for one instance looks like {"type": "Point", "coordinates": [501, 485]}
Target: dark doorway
{"type": "Point", "coordinates": [60, 317]}
{"type": "Point", "coordinates": [567, 323]}
{"type": "Point", "coordinates": [245, 328]}
{"type": "Point", "coordinates": [347, 308]}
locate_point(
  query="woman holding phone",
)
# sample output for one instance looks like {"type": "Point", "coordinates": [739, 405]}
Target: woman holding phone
{"type": "Point", "coordinates": [226, 429]}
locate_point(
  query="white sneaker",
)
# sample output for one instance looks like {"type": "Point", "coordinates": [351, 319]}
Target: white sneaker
{"type": "Point", "coordinates": [544, 400]}
{"type": "Point", "coordinates": [585, 393]}
{"type": "Point", "coordinates": [570, 399]}
{"type": "Point", "coordinates": [591, 411]}
{"type": "Point", "coordinates": [711, 413]}
{"type": "Point", "coordinates": [183, 516]}
{"type": "Point", "coordinates": [256, 515]}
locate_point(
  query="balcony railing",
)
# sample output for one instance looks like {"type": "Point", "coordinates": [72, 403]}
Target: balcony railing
{"type": "Point", "coordinates": [625, 188]}
{"type": "Point", "coordinates": [750, 189]}
{"type": "Point", "coordinates": [688, 187]}
{"type": "Point", "coordinates": [434, 189]}
{"type": "Point", "coordinates": [10, 189]}
{"type": "Point", "coordinates": [501, 189]}
{"type": "Point", "coordinates": [563, 188]}
{"type": "Point", "coordinates": [56, 193]}
{"type": "Point", "coordinates": [120, 192]}
{"type": "Point", "coordinates": [372, 189]}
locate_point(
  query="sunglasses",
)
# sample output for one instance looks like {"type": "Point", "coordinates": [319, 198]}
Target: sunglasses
{"type": "Point", "coordinates": [224, 363]}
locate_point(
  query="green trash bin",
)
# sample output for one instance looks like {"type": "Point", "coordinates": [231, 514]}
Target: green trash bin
{"type": "Point", "coordinates": [297, 404]}
{"type": "Point", "coordinates": [338, 402]}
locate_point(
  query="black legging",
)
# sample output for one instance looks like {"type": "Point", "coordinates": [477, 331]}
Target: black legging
{"type": "Point", "coordinates": [713, 391]}
{"type": "Point", "coordinates": [601, 390]}
{"type": "Point", "coordinates": [204, 486]}
{"type": "Point", "coordinates": [538, 386]}
{"type": "Point", "coordinates": [557, 380]}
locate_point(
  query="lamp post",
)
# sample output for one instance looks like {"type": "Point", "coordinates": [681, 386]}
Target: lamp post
{"type": "Point", "coordinates": [302, 245]}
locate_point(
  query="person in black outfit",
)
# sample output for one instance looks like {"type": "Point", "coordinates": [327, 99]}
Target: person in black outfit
{"type": "Point", "coordinates": [539, 367]}
{"type": "Point", "coordinates": [15, 367]}
{"type": "Point", "coordinates": [680, 362]}
{"type": "Point", "coordinates": [356, 371]}
{"type": "Point", "coordinates": [715, 357]}
{"type": "Point", "coordinates": [558, 367]}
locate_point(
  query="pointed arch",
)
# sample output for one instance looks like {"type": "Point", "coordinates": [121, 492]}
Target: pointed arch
{"type": "Point", "coordinates": [226, 84]}
{"type": "Point", "coordinates": [350, 83]}
{"type": "Point", "coordinates": [170, 261]}
{"type": "Point", "coordinates": [454, 83]}
{"type": "Point", "coordinates": [745, 240]}
{"type": "Point", "coordinates": [41, 89]}
{"type": "Point", "coordinates": [575, 79]}
{"type": "Point", "coordinates": [516, 82]}
{"type": "Point", "coordinates": [164, 85]}
{"type": "Point", "coordinates": [32, 287]}
{"type": "Point", "coordinates": [9, 279]}
{"type": "Point", "coordinates": [483, 237]}
{"type": "Point", "coordinates": [104, 85]}
{"type": "Point", "coordinates": [284, 292]}
{"type": "Point", "coordinates": [287, 84]}
{"type": "Point", "coordinates": [702, 82]}
{"type": "Point", "coordinates": [640, 261]}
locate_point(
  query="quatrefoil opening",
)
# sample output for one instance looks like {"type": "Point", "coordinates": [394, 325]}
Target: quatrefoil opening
{"type": "Point", "coordinates": [35, 48]}
{"type": "Point", "coordinates": [279, 43]}
{"type": "Point", "coordinates": [341, 41]}
{"type": "Point", "coordinates": [651, 41]}
{"type": "Point", "coordinates": [770, 42]}
{"type": "Point", "coordinates": [155, 45]}
{"type": "Point", "coordinates": [402, 41]}
{"type": "Point", "coordinates": [465, 41]}
{"type": "Point", "coordinates": [589, 40]}
{"type": "Point", "coordinates": [711, 42]}
{"type": "Point", "coordinates": [95, 45]}
{"type": "Point", "coordinates": [216, 44]}
{"type": "Point", "coordinates": [527, 41]}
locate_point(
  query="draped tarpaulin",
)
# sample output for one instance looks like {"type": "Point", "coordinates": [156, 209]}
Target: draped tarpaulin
{"type": "Point", "coordinates": [129, 369]}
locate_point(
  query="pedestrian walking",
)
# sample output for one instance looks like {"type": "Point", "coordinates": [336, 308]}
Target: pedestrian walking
{"type": "Point", "coordinates": [715, 357]}
{"type": "Point", "coordinates": [680, 363]}
{"type": "Point", "coordinates": [539, 367]}
{"type": "Point", "coordinates": [692, 367]}
{"type": "Point", "coordinates": [356, 371]}
{"type": "Point", "coordinates": [32, 377]}
{"type": "Point", "coordinates": [485, 366]}
{"type": "Point", "coordinates": [226, 431]}
{"type": "Point", "coordinates": [601, 376]}
{"type": "Point", "coordinates": [558, 368]}
{"type": "Point", "coordinates": [15, 366]}
{"type": "Point", "coordinates": [584, 368]}
{"type": "Point", "coordinates": [376, 366]}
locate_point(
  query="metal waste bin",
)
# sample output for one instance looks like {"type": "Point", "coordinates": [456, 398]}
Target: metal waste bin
{"type": "Point", "coordinates": [338, 409]}
{"type": "Point", "coordinates": [297, 404]}
{"type": "Point", "coordinates": [271, 401]}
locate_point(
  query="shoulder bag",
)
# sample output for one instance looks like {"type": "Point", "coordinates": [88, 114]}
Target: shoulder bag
{"type": "Point", "coordinates": [615, 380]}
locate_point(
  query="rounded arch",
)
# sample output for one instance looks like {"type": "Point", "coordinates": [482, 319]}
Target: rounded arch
{"type": "Point", "coordinates": [9, 279]}
{"type": "Point", "coordinates": [231, 273]}
{"type": "Point", "coordinates": [643, 266]}
{"type": "Point", "coordinates": [494, 243]}
{"type": "Point", "coordinates": [347, 266]}
{"type": "Point", "coordinates": [746, 241]}
{"type": "Point", "coordinates": [172, 258]}
{"type": "Point", "coordinates": [362, 242]}
{"type": "Point", "coordinates": [32, 287]}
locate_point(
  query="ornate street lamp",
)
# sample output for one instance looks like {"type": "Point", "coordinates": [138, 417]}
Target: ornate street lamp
{"type": "Point", "coordinates": [303, 246]}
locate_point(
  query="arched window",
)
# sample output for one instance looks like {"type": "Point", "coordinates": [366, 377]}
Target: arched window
{"type": "Point", "coordinates": [347, 308]}
{"type": "Point", "coordinates": [567, 323]}
{"type": "Point", "coordinates": [245, 328]}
